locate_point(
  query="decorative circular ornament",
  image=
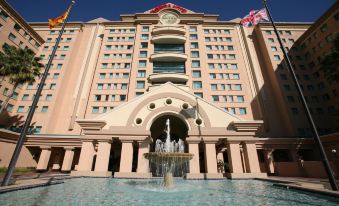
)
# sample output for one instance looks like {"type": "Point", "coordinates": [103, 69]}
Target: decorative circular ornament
{"type": "Point", "coordinates": [169, 19]}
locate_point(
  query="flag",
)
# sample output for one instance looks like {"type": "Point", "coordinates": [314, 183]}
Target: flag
{"type": "Point", "coordinates": [254, 18]}
{"type": "Point", "coordinates": [57, 21]}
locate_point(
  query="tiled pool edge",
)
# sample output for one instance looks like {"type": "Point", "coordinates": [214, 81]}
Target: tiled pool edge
{"type": "Point", "coordinates": [308, 189]}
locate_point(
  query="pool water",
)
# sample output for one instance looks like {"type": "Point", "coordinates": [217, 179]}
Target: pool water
{"type": "Point", "coordinates": [109, 191]}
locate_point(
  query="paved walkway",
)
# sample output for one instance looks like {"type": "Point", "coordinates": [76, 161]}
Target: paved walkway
{"type": "Point", "coordinates": [306, 184]}
{"type": "Point", "coordinates": [31, 181]}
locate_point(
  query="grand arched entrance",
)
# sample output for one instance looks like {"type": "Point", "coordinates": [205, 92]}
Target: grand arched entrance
{"type": "Point", "coordinates": [178, 130]}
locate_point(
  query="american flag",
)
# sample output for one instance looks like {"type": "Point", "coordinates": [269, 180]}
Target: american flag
{"type": "Point", "coordinates": [254, 18]}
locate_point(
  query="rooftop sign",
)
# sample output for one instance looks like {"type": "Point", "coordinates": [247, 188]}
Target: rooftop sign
{"type": "Point", "coordinates": [167, 6]}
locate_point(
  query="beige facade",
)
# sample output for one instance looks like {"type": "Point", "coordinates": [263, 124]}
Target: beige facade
{"type": "Point", "coordinates": [223, 86]}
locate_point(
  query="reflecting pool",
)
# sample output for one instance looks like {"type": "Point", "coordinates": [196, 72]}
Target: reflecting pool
{"type": "Point", "coordinates": [109, 191]}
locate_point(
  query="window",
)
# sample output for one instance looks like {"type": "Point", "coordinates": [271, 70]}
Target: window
{"type": "Point", "coordinates": [4, 15]}
{"type": "Point", "coordinates": [55, 75]}
{"type": "Point", "coordinates": [62, 56]}
{"type": "Point", "coordinates": [215, 98]}
{"type": "Point", "coordinates": [268, 32]}
{"type": "Point", "coordinates": [271, 40]}
{"type": "Point", "coordinates": [240, 99]}
{"type": "Point", "coordinates": [144, 36]}
{"type": "Point", "coordinates": [194, 45]}
{"type": "Point", "coordinates": [138, 94]}
{"type": "Point", "coordinates": [236, 76]}
{"type": "Point", "coordinates": [37, 129]}
{"type": "Point", "coordinates": [25, 97]}
{"type": "Point", "coordinates": [95, 109]}
{"type": "Point", "coordinates": [336, 16]}
{"type": "Point", "coordinates": [195, 64]}
{"type": "Point", "coordinates": [214, 87]}
{"type": "Point", "coordinates": [230, 48]}
{"type": "Point", "coordinates": [193, 29]}
{"type": "Point", "coordinates": [209, 56]}
{"type": "Point", "coordinates": [9, 108]}
{"type": "Point", "coordinates": [59, 66]}
{"type": "Point", "coordinates": [294, 111]}
{"type": "Point", "coordinates": [44, 109]}
{"type": "Point", "coordinates": [288, 33]}
{"type": "Point", "coordinates": [242, 110]}
{"type": "Point", "coordinates": [194, 54]}
{"type": "Point", "coordinates": [143, 54]}
{"type": "Point", "coordinates": [48, 97]}
{"type": "Point", "coordinates": [20, 109]}
{"type": "Point", "coordinates": [237, 87]}
{"type": "Point", "coordinates": [142, 64]}
{"type": "Point", "coordinates": [198, 94]}
{"type": "Point", "coordinates": [276, 58]}
{"type": "Point", "coordinates": [323, 28]}
{"type": "Point", "coordinates": [291, 41]}
{"type": "Point", "coordinates": [141, 73]}
{"type": "Point", "coordinates": [145, 29]}
{"type": "Point", "coordinates": [193, 36]}
{"type": "Point", "coordinates": [123, 86]}
{"type": "Point", "coordinates": [125, 75]}
{"type": "Point", "coordinates": [213, 76]}
{"type": "Point", "coordinates": [48, 40]}
{"type": "Point", "coordinates": [140, 84]}
{"type": "Point", "coordinates": [66, 48]}
{"type": "Point", "coordinates": [197, 85]}
{"type": "Point", "coordinates": [290, 98]}
{"type": "Point", "coordinates": [102, 75]}
{"type": "Point", "coordinates": [274, 48]}
{"type": "Point", "coordinates": [68, 40]}
{"type": "Point", "coordinates": [100, 86]}
{"type": "Point", "coordinates": [287, 87]}
{"type": "Point", "coordinates": [143, 45]}
{"type": "Point", "coordinates": [122, 98]}
{"type": "Point", "coordinates": [11, 37]}
{"type": "Point", "coordinates": [230, 56]}
{"type": "Point", "coordinates": [234, 66]}
{"type": "Point", "coordinates": [196, 74]}
{"type": "Point", "coordinates": [211, 66]}
{"type": "Point", "coordinates": [226, 31]}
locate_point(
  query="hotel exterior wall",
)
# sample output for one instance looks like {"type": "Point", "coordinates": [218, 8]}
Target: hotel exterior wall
{"type": "Point", "coordinates": [16, 32]}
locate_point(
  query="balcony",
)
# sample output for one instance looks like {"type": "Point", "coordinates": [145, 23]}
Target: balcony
{"type": "Point", "coordinates": [169, 30]}
{"type": "Point", "coordinates": [160, 78]}
{"type": "Point", "coordinates": [169, 39]}
{"type": "Point", "coordinates": [169, 57]}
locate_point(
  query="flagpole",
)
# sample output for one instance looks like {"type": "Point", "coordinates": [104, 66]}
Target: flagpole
{"type": "Point", "coordinates": [327, 166]}
{"type": "Point", "coordinates": [28, 121]}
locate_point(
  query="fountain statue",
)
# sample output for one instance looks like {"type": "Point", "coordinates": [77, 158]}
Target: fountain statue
{"type": "Point", "coordinates": [168, 156]}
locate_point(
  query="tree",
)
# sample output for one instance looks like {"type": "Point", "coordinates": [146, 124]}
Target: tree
{"type": "Point", "coordinates": [19, 66]}
{"type": "Point", "coordinates": [330, 64]}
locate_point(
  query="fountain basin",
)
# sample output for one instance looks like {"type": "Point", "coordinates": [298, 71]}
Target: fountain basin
{"type": "Point", "coordinates": [168, 156]}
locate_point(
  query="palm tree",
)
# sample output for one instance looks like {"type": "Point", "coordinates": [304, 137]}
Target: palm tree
{"type": "Point", "coordinates": [19, 66]}
{"type": "Point", "coordinates": [330, 64]}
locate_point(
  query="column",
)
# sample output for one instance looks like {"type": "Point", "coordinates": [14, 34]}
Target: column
{"type": "Point", "coordinates": [268, 155]}
{"type": "Point", "coordinates": [102, 160]}
{"type": "Point", "coordinates": [86, 156]}
{"type": "Point", "coordinates": [44, 158]}
{"type": "Point", "coordinates": [234, 157]}
{"type": "Point", "coordinates": [126, 157]}
{"type": "Point", "coordinates": [251, 158]}
{"type": "Point", "coordinates": [193, 148]}
{"type": "Point", "coordinates": [68, 159]}
{"type": "Point", "coordinates": [211, 161]}
{"type": "Point", "coordinates": [143, 163]}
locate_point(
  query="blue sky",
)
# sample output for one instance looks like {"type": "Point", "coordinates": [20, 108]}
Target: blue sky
{"type": "Point", "coordinates": [85, 10]}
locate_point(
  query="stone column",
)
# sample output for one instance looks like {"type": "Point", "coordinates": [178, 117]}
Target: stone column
{"type": "Point", "coordinates": [44, 158]}
{"type": "Point", "coordinates": [101, 163]}
{"type": "Point", "coordinates": [194, 164]}
{"type": "Point", "coordinates": [143, 163]}
{"type": "Point", "coordinates": [268, 155]}
{"type": "Point", "coordinates": [126, 160]}
{"type": "Point", "coordinates": [86, 156]}
{"type": "Point", "coordinates": [211, 160]}
{"type": "Point", "coordinates": [234, 157]}
{"type": "Point", "coordinates": [251, 158]}
{"type": "Point", "coordinates": [68, 159]}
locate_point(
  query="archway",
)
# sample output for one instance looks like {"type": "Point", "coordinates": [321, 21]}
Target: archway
{"type": "Point", "coordinates": [178, 129]}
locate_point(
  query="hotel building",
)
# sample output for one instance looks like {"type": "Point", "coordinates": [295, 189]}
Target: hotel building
{"type": "Point", "coordinates": [225, 89]}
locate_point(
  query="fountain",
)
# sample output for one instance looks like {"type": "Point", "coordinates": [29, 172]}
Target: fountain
{"type": "Point", "coordinates": [168, 156]}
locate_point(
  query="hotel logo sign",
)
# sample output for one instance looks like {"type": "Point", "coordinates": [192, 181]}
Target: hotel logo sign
{"type": "Point", "coordinates": [169, 19]}
{"type": "Point", "coordinates": [168, 6]}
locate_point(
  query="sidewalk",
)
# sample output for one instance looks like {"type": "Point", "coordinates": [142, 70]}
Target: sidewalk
{"type": "Point", "coordinates": [314, 185]}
